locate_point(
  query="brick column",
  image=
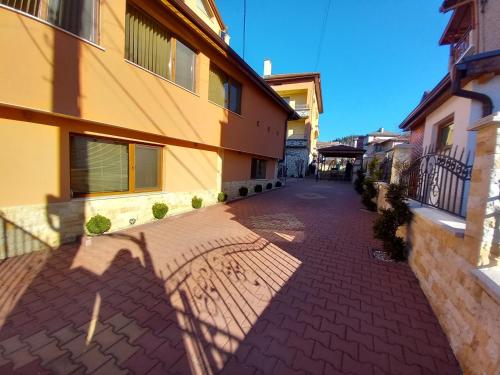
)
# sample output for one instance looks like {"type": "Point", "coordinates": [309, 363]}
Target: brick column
{"type": "Point", "coordinates": [482, 232]}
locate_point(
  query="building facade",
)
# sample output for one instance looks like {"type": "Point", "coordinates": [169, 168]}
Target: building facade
{"type": "Point", "coordinates": [471, 89]}
{"type": "Point", "coordinates": [109, 107]}
{"type": "Point", "coordinates": [303, 92]}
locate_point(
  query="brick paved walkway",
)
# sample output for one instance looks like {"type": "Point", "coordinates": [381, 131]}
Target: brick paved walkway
{"type": "Point", "coordinates": [282, 283]}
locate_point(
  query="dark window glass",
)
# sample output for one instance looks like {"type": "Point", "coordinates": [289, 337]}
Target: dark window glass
{"type": "Point", "coordinates": [76, 16]}
{"type": "Point", "coordinates": [258, 169]}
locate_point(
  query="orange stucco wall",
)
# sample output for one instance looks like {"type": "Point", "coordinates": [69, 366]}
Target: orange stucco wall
{"type": "Point", "coordinates": [69, 76]}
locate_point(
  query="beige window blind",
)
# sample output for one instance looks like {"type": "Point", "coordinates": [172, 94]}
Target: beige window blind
{"type": "Point", "coordinates": [147, 42]}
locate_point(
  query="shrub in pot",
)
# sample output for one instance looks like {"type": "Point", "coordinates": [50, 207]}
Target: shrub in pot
{"type": "Point", "coordinates": [196, 202]}
{"type": "Point", "coordinates": [222, 197]}
{"type": "Point", "coordinates": [159, 210]}
{"type": "Point", "coordinates": [258, 188]}
{"type": "Point", "coordinates": [243, 191]}
{"type": "Point", "coordinates": [358, 182]}
{"type": "Point", "coordinates": [369, 192]}
{"type": "Point", "coordinates": [269, 186]}
{"type": "Point", "coordinates": [278, 184]}
{"type": "Point", "coordinates": [98, 224]}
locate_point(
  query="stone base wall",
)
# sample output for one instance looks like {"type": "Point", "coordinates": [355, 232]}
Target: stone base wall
{"type": "Point", "coordinates": [292, 156]}
{"type": "Point", "coordinates": [24, 229]}
{"type": "Point", "coordinates": [468, 313]}
{"type": "Point", "coordinates": [232, 188]}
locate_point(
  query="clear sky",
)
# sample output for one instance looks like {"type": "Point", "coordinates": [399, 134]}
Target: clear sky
{"type": "Point", "coordinates": [378, 57]}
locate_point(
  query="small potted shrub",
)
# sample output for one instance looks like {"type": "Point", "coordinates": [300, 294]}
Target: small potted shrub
{"type": "Point", "coordinates": [196, 202]}
{"type": "Point", "coordinates": [160, 210]}
{"type": "Point", "coordinates": [98, 225]}
{"type": "Point", "coordinates": [269, 186]}
{"type": "Point", "coordinates": [222, 197]}
{"type": "Point", "coordinates": [243, 191]}
{"type": "Point", "coordinates": [278, 184]}
{"type": "Point", "coordinates": [258, 188]}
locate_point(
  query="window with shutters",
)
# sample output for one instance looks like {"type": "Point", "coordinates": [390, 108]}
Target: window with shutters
{"type": "Point", "coordinates": [105, 166]}
{"type": "Point", "coordinates": [223, 90]}
{"type": "Point", "coordinates": [150, 45]}
{"type": "Point", "coordinates": [79, 17]}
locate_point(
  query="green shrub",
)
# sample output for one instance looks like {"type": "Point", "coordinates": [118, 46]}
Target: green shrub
{"type": "Point", "coordinates": [258, 188]}
{"type": "Point", "coordinates": [358, 182]}
{"type": "Point", "coordinates": [374, 169]}
{"type": "Point", "coordinates": [98, 224]}
{"type": "Point", "coordinates": [222, 197]}
{"type": "Point", "coordinates": [278, 184]}
{"type": "Point", "coordinates": [369, 192]}
{"type": "Point", "coordinates": [243, 191]}
{"type": "Point", "coordinates": [196, 202]}
{"type": "Point", "coordinates": [269, 186]}
{"type": "Point", "coordinates": [159, 210]}
{"type": "Point", "coordinates": [386, 225]}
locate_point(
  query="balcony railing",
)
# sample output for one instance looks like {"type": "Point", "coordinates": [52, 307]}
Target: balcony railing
{"type": "Point", "coordinates": [303, 110]}
{"type": "Point", "coordinates": [460, 48]}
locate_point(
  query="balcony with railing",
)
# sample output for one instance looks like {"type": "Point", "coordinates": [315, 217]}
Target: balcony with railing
{"type": "Point", "coordinates": [462, 47]}
{"type": "Point", "coordinates": [303, 110]}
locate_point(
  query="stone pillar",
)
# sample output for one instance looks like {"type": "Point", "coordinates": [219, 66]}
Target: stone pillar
{"type": "Point", "coordinates": [483, 208]}
{"type": "Point", "coordinates": [401, 158]}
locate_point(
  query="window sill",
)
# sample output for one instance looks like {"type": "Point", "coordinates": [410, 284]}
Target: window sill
{"type": "Point", "coordinates": [453, 224]}
{"type": "Point", "coordinates": [162, 78]}
{"type": "Point", "coordinates": [225, 109]}
{"type": "Point", "coordinates": [93, 44]}
{"type": "Point", "coordinates": [116, 196]}
{"type": "Point", "coordinates": [489, 279]}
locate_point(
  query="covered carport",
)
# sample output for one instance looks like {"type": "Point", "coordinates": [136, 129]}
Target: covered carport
{"type": "Point", "coordinates": [350, 154]}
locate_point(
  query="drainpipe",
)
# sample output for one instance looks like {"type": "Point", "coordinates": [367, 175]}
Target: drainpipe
{"type": "Point", "coordinates": [456, 90]}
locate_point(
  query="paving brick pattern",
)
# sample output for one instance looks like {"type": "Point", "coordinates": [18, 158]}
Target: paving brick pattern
{"type": "Point", "coordinates": [281, 283]}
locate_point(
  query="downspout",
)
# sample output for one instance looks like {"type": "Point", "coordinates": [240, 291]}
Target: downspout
{"type": "Point", "coordinates": [456, 90]}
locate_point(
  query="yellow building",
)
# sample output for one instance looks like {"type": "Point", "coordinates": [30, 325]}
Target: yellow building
{"type": "Point", "coordinates": [107, 107]}
{"type": "Point", "coordinates": [303, 92]}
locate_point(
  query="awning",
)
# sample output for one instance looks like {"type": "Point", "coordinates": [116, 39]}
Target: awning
{"type": "Point", "coordinates": [341, 151]}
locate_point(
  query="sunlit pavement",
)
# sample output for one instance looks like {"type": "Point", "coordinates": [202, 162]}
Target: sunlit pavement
{"type": "Point", "coordinates": [280, 283]}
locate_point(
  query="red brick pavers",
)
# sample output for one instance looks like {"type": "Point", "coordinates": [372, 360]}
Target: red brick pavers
{"type": "Point", "coordinates": [281, 283]}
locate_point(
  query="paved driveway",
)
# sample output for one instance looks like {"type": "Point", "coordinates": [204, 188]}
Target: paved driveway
{"type": "Point", "coordinates": [281, 283]}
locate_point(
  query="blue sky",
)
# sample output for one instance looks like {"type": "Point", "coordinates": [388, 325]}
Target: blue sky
{"type": "Point", "coordinates": [378, 57]}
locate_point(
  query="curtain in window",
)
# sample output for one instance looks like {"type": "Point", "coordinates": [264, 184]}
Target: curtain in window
{"type": "Point", "coordinates": [147, 163]}
{"type": "Point", "coordinates": [76, 16]}
{"type": "Point", "coordinates": [185, 60]}
{"type": "Point", "coordinates": [258, 168]}
{"type": "Point", "coordinates": [147, 43]}
{"type": "Point", "coordinates": [218, 86]}
{"type": "Point", "coordinates": [29, 6]}
{"type": "Point", "coordinates": [98, 166]}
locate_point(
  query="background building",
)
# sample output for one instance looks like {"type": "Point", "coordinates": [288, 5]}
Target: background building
{"type": "Point", "coordinates": [303, 92]}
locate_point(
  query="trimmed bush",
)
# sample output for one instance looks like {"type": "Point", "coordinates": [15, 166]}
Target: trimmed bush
{"type": "Point", "coordinates": [278, 184]}
{"type": "Point", "coordinates": [159, 210]}
{"type": "Point", "coordinates": [196, 202]}
{"type": "Point", "coordinates": [258, 188]}
{"type": "Point", "coordinates": [243, 191]}
{"type": "Point", "coordinates": [98, 224]}
{"type": "Point", "coordinates": [386, 225]}
{"type": "Point", "coordinates": [369, 192]}
{"type": "Point", "coordinates": [358, 182]}
{"type": "Point", "coordinates": [269, 186]}
{"type": "Point", "coordinates": [222, 197]}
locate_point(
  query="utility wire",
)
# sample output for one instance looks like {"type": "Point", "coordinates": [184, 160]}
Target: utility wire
{"type": "Point", "coordinates": [322, 35]}
{"type": "Point", "coordinates": [244, 25]}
